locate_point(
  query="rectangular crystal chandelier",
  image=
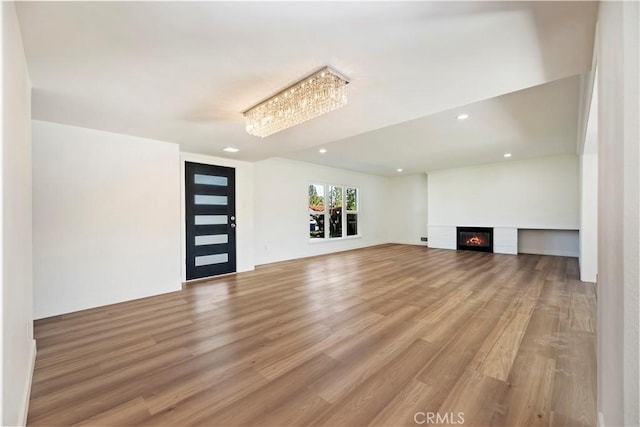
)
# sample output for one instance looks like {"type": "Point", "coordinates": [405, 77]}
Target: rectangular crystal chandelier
{"type": "Point", "coordinates": [311, 97]}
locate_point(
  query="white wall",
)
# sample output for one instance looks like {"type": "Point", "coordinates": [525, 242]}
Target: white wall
{"type": "Point", "coordinates": [539, 193]}
{"type": "Point", "coordinates": [2, 100]}
{"type": "Point", "coordinates": [408, 214]}
{"type": "Point", "coordinates": [18, 346]}
{"type": "Point", "coordinates": [505, 240]}
{"type": "Point", "coordinates": [589, 193]}
{"type": "Point", "coordinates": [282, 213]}
{"type": "Point", "coordinates": [618, 53]}
{"type": "Point", "coordinates": [106, 218]}
{"type": "Point", "coordinates": [244, 208]}
{"type": "Point", "coordinates": [589, 217]}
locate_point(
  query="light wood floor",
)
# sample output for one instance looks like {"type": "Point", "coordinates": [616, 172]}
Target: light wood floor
{"type": "Point", "coordinates": [367, 337]}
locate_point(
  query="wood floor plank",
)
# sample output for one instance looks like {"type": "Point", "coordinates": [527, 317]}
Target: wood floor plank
{"type": "Point", "coordinates": [499, 350]}
{"type": "Point", "coordinates": [456, 354]}
{"type": "Point", "coordinates": [195, 408]}
{"type": "Point", "coordinates": [126, 414]}
{"type": "Point", "coordinates": [364, 403]}
{"type": "Point", "coordinates": [275, 368]}
{"type": "Point", "coordinates": [303, 409]}
{"type": "Point", "coordinates": [474, 399]}
{"type": "Point", "coordinates": [82, 361]}
{"type": "Point", "coordinates": [574, 393]}
{"type": "Point", "coordinates": [364, 337]}
{"type": "Point", "coordinates": [401, 410]}
{"type": "Point", "coordinates": [528, 397]}
{"type": "Point", "coordinates": [356, 370]}
{"type": "Point", "coordinates": [44, 408]}
{"type": "Point", "coordinates": [275, 394]}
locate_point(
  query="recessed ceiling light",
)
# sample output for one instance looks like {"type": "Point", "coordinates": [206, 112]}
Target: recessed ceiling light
{"type": "Point", "coordinates": [507, 155]}
{"type": "Point", "coordinates": [462, 116]}
{"type": "Point", "coordinates": [322, 150]}
{"type": "Point", "coordinates": [231, 150]}
{"type": "Point", "coordinates": [399, 170]}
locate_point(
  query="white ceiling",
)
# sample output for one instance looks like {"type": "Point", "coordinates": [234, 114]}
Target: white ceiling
{"type": "Point", "coordinates": [184, 72]}
{"type": "Point", "coordinates": [535, 122]}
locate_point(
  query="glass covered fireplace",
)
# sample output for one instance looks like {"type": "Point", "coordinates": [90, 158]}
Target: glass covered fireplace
{"type": "Point", "coordinates": [475, 239]}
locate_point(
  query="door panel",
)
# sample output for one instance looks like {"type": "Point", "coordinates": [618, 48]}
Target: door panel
{"type": "Point", "coordinates": [210, 220]}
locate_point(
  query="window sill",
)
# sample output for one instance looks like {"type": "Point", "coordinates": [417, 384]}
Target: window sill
{"type": "Point", "coordinates": [335, 239]}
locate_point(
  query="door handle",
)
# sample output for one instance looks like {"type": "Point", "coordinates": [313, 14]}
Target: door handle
{"type": "Point", "coordinates": [233, 225]}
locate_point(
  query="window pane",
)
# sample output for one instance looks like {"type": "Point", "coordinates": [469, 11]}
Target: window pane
{"type": "Point", "coordinates": [352, 199]}
{"type": "Point", "coordinates": [212, 239]}
{"type": "Point", "coordinates": [211, 259]}
{"type": "Point", "coordinates": [316, 211]}
{"type": "Point", "coordinates": [210, 219]}
{"type": "Point", "coordinates": [335, 197]}
{"type": "Point", "coordinates": [210, 180]}
{"type": "Point", "coordinates": [352, 224]}
{"type": "Point", "coordinates": [335, 211]}
{"type": "Point", "coordinates": [201, 199]}
{"type": "Point", "coordinates": [316, 226]}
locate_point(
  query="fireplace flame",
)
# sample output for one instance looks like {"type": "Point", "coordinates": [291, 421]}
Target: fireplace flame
{"type": "Point", "coordinates": [475, 240]}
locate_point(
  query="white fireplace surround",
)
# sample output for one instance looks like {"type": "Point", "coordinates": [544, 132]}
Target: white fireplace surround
{"type": "Point", "coordinates": [505, 240]}
{"type": "Point", "coordinates": [510, 240]}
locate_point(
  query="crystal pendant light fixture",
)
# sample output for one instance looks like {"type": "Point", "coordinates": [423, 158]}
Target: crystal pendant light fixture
{"type": "Point", "coordinates": [311, 97]}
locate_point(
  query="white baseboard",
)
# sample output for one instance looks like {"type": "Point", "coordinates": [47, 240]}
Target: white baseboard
{"type": "Point", "coordinates": [408, 242]}
{"type": "Point", "coordinates": [601, 419]}
{"type": "Point", "coordinates": [27, 386]}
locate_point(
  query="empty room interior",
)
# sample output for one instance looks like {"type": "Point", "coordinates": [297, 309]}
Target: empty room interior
{"type": "Point", "coordinates": [320, 213]}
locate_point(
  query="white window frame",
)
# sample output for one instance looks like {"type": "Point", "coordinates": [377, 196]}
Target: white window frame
{"type": "Point", "coordinates": [326, 237]}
